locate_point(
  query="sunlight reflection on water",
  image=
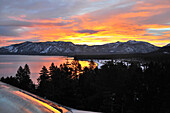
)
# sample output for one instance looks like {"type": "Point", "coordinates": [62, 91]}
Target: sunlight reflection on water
{"type": "Point", "coordinates": [9, 64]}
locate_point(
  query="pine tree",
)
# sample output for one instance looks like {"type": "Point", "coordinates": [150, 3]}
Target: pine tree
{"type": "Point", "coordinates": [52, 69]}
{"type": "Point", "coordinates": [44, 76]}
{"type": "Point", "coordinates": [28, 84]}
{"type": "Point", "coordinates": [43, 81]}
{"type": "Point", "coordinates": [19, 75]}
{"type": "Point", "coordinates": [27, 69]}
{"type": "Point", "coordinates": [23, 78]}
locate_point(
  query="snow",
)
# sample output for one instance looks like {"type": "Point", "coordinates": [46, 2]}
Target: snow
{"type": "Point", "coordinates": [60, 49]}
{"type": "Point", "coordinates": [78, 111]}
{"type": "Point", "coordinates": [126, 62]}
{"type": "Point", "coordinates": [166, 52]}
{"type": "Point", "coordinates": [15, 50]}
{"type": "Point", "coordinates": [128, 49]}
{"type": "Point", "coordinates": [46, 50]}
{"type": "Point", "coordinates": [65, 47]}
{"type": "Point", "coordinates": [100, 62]}
{"type": "Point", "coordinates": [68, 50]}
{"type": "Point", "coordinates": [10, 48]}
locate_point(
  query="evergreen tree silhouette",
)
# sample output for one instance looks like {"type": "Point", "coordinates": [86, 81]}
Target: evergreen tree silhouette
{"type": "Point", "coordinates": [115, 88]}
{"type": "Point", "coordinates": [28, 83]}
{"type": "Point", "coordinates": [23, 78]}
{"type": "Point", "coordinates": [20, 75]}
{"type": "Point", "coordinates": [43, 82]}
{"type": "Point", "coordinates": [52, 69]}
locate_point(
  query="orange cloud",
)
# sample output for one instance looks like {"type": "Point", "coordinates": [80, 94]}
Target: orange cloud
{"type": "Point", "coordinates": [104, 26]}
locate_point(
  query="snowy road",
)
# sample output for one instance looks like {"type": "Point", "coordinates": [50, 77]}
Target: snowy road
{"type": "Point", "coordinates": [14, 100]}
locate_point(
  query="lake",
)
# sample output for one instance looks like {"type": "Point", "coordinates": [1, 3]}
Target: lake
{"type": "Point", "coordinates": [9, 64]}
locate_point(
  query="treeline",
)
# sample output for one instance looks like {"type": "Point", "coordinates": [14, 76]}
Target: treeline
{"type": "Point", "coordinates": [115, 88]}
{"type": "Point", "coordinates": [21, 79]}
{"type": "Point", "coordinates": [139, 56]}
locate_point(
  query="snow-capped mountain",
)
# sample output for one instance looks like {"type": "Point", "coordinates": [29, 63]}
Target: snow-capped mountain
{"type": "Point", "coordinates": [68, 48]}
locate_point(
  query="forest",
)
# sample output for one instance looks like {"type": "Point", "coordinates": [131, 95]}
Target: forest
{"type": "Point", "coordinates": [114, 88]}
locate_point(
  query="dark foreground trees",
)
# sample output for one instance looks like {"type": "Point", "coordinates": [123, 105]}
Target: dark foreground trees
{"type": "Point", "coordinates": [21, 79]}
{"type": "Point", "coordinates": [115, 88]}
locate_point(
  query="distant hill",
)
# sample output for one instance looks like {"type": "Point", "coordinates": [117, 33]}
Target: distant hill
{"type": "Point", "coordinates": [163, 50]}
{"type": "Point", "coordinates": [167, 45]}
{"type": "Point", "coordinates": [68, 48]}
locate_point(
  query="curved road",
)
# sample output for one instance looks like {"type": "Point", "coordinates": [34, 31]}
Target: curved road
{"type": "Point", "coordinates": [14, 100]}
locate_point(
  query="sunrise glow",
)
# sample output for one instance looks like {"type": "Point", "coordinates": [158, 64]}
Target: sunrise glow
{"type": "Point", "coordinates": [91, 22]}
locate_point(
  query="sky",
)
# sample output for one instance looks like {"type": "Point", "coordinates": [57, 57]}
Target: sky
{"type": "Point", "coordinates": [91, 22]}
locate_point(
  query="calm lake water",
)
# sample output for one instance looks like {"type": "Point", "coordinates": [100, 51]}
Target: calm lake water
{"type": "Point", "coordinates": [9, 64]}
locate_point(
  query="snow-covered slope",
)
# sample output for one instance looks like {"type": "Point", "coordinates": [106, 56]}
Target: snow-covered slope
{"type": "Point", "coordinates": [68, 48]}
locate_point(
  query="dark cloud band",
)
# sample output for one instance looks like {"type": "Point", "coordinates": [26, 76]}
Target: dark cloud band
{"type": "Point", "coordinates": [88, 31]}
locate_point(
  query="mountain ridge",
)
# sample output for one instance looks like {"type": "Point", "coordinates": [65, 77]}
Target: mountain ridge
{"type": "Point", "coordinates": [69, 48]}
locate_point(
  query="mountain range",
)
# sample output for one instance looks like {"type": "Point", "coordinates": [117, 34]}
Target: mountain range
{"type": "Point", "coordinates": [68, 48]}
